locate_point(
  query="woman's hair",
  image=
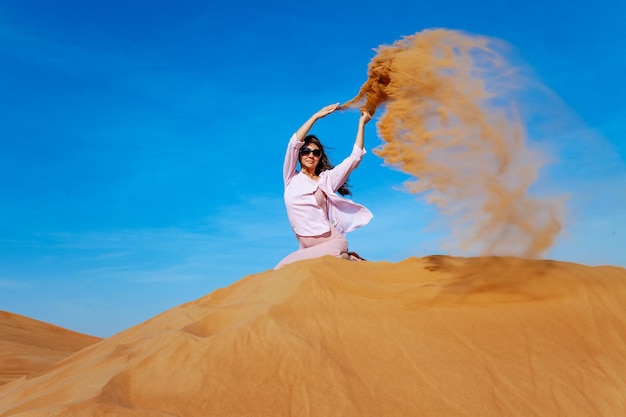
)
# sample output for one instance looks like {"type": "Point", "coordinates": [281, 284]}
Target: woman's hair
{"type": "Point", "coordinates": [324, 163]}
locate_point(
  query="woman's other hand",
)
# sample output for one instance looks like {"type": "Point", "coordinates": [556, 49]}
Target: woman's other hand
{"type": "Point", "coordinates": [323, 112]}
{"type": "Point", "coordinates": [365, 117]}
{"type": "Point", "coordinates": [326, 110]}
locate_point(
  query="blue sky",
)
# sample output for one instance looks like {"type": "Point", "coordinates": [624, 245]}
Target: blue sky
{"type": "Point", "coordinates": [142, 142]}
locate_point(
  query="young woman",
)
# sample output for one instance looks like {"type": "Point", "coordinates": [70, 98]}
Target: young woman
{"type": "Point", "coordinates": [320, 217]}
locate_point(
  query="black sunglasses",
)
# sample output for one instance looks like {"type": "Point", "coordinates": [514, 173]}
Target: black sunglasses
{"type": "Point", "coordinates": [315, 152]}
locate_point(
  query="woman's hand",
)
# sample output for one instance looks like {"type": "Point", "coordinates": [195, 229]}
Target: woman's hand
{"type": "Point", "coordinates": [325, 111]}
{"type": "Point", "coordinates": [365, 117]}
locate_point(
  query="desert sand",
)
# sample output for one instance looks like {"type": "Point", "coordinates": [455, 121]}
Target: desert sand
{"type": "Point", "coordinates": [434, 336]}
{"type": "Point", "coordinates": [28, 346]}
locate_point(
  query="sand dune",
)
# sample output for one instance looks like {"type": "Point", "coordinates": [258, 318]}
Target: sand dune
{"type": "Point", "coordinates": [436, 336]}
{"type": "Point", "coordinates": [28, 345]}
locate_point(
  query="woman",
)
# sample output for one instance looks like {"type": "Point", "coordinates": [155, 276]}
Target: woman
{"type": "Point", "coordinates": [320, 217]}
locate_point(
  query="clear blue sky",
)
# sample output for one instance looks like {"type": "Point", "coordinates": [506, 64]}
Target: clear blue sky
{"type": "Point", "coordinates": [141, 143]}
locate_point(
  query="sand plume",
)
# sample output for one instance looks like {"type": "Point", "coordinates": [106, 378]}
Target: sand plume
{"type": "Point", "coordinates": [449, 120]}
{"type": "Point", "coordinates": [436, 336]}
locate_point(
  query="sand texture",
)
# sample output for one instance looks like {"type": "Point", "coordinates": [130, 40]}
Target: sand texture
{"type": "Point", "coordinates": [434, 336]}
{"type": "Point", "coordinates": [28, 346]}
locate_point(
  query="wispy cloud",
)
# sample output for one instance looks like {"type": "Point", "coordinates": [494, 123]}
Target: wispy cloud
{"type": "Point", "coordinates": [244, 237]}
{"type": "Point", "coordinates": [9, 283]}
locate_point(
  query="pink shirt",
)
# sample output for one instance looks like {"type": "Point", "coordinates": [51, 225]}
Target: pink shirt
{"type": "Point", "coordinates": [306, 216]}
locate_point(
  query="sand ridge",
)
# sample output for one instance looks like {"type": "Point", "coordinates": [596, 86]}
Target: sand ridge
{"type": "Point", "coordinates": [28, 345]}
{"type": "Point", "coordinates": [435, 336]}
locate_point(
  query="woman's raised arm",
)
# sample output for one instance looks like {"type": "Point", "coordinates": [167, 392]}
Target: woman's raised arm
{"type": "Point", "coordinates": [323, 112]}
{"type": "Point", "coordinates": [360, 135]}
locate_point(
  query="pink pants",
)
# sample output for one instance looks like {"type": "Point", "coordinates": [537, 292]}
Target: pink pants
{"type": "Point", "coordinates": [330, 243]}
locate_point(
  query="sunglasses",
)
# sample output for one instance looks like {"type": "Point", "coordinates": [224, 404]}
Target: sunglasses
{"type": "Point", "coordinates": [316, 152]}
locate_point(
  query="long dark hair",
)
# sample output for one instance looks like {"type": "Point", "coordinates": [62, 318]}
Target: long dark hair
{"type": "Point", "coordinates": [324, 163]}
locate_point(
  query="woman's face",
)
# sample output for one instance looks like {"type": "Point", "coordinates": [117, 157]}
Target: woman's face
{"type": "Point", "coordinates": [308, 157]}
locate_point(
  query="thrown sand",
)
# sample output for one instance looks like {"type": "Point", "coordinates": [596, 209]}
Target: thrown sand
{"type": "Point", "coordinates": [436, 336]}
{"type": "Point", "coordinates": [28, 345]}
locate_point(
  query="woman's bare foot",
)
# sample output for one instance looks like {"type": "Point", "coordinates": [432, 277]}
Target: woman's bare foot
{"type": "Point", "coordinates": [352, 256]}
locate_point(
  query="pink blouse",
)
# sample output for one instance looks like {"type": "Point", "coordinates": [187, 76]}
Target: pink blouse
{"type": "Point", "coordinates": [306, 216]}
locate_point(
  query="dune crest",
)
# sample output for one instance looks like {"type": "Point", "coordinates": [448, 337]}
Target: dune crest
{"type": "Point", "coordinates": [28, 345]}
{"type": "Point", "coordinates": [432, 336]}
